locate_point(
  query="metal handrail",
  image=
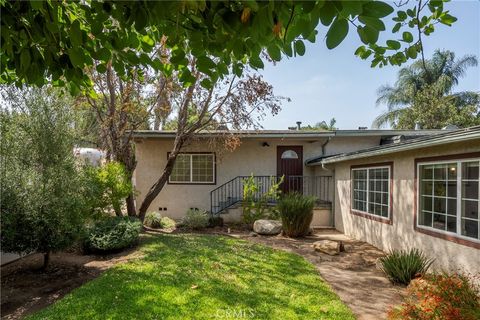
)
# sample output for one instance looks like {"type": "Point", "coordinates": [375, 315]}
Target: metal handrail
{"type": "Point", "coordinates": [231, 192]}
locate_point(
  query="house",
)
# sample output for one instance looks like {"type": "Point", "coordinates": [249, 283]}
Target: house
{"type": "Point", "coordinates": [395, 189]}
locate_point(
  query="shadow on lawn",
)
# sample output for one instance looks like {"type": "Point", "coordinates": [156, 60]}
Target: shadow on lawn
{"type": "Point", "coordinates": [204, 277]}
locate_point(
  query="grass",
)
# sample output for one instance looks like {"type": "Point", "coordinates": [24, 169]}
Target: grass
{"type": "Point", "coordinates": [203, 277]}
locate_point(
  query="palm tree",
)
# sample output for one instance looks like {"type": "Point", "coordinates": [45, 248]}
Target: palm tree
{"type": "Point", "coordinates": [442, 72]}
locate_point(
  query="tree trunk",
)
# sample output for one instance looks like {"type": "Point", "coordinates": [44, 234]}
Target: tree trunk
{"type": "Point", "coordinates": [158, 186]}
{"type": "Point", "coordinates": [46, 260]}
{"type": "Point", "coordinates": [130, 201]}
{"type": "Point", "coordinates": [118, 210]}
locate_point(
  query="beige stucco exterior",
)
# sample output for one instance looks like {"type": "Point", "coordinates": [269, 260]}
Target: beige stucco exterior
{"type": "Point", "coordinates": [401, 234]}
{"type": "Point", "coordinates": [251, 157]}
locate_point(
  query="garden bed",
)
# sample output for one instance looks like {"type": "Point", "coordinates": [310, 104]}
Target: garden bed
{"type": "Point", "coordinates": [27, 289]}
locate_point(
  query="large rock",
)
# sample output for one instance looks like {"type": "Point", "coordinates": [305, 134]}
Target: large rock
{"type": "Point", "coordinates": [267, 227]}
{"type": "Point", "coordinates": [328, 246]}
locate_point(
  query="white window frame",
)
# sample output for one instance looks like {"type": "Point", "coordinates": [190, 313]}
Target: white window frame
{"type": "Point", "coordinates": [459, 198]}
{"type": "Point", "coordinates": [388, 217]}
{"type": "Point", "coordinates": [211, 154]}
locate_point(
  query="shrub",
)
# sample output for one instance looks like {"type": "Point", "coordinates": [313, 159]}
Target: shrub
{"type": "Point", "coordinates": [215, 221]}
{"type": "Point", "coordinates": [168, 223]}
{"type": "Point", "coordinates": [112, 234]}
{"type": "Point", "coordinates": [439, 296]}
{"type": "Point", "coordinates": [255, 202]}
{"type": "Point", "coordinates": [402, 266]}
{"type": "Point", "coordinates": [195, 219]}
{"type": "Point", "coordinates": [107, 187]}
{"type": "Point", "coordinates": [153, 220]}
{"type": "Point", "coordinates": [296, 212]}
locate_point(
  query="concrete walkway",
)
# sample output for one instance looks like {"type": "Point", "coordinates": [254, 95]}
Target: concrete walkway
{"type": "Point", "coordinates": [352, 274]}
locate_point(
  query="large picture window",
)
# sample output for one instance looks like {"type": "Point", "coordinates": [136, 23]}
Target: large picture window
{"type": "Point", "coordinates": [371, 191]}
{"type": "Point", "coordinates": [192, 168]}
{"type": "Point", "coordinates": [449, 195]}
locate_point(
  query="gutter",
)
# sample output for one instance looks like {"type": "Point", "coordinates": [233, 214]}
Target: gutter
{"type": "Point", "coordinates": [464, 135]}
{"type": "Point", "coordinates": [241, 135]}
{"type": "Point", "coordinates": [290, 134]}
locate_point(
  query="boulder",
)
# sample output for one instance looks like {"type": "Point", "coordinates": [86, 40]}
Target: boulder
{"type": "Point", "coordinates": [328, 246]}
{"type": "Point", "coordinates": [267, 227]}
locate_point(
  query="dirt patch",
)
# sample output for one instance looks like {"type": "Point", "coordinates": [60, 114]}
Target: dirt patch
{"type": "Point", "coordinates": [27, 289]}
{"type": "Point", "coordinates": [353, 274]}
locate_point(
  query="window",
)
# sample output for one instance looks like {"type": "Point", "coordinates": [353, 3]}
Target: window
{"type": "Point", "coordinates": [289, 154]}
{"type": "Point", "coordinates": [448, 199]}
{"type": "Point", "coordinates": [194, 168]}
{"type": "Point", "coordinates": [371, 191]}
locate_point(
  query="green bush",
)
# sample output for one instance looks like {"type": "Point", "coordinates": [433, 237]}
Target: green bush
{"type": "Point", "coordinates": [296, 213]}
{"type": "Point", "coordinates": [42, 205]}
{"type": "Point", "coordinates": [153, 220]}
{"type": "Point", "coordinates": [195, 219]}
{"type": "Point", "coordinates": [215, 221]}
{"type": "Point", "coordinates": [167, 223]}
{"type": "Point", "coordinates": [255, 203]}
{"type": "Point", "coordinates": [402, 266]}
{"type": "Point", "coordinates": [107, 187]}
{"type": "Point", "coordinates": [112, 234]}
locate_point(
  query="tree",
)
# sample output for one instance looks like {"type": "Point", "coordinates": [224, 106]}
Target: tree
{"type": "Point", "coordinates": [431, 110]}
{"type": "Point", "coordinates": [121, 105]}
{"type": "Point", "coordinates": [222, 36]}
{"type": "Point", "coordinates": [41, 198]}
{"type": "Point", "coordinates": [235, 103]}
{"type": "Point", "coordinates": [321, 126]}
{"type": "Point", "coordinates": [428, 87]}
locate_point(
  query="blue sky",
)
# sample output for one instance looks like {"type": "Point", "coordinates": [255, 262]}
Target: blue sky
{"type": "Point", "coordinates": [334, 83]}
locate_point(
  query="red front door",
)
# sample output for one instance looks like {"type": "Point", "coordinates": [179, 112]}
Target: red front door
{"type": "Point", "coordinates": [290, 165]}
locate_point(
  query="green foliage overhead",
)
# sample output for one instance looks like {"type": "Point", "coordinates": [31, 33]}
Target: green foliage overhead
{"type": "Point", "coordinates": [54, 41]}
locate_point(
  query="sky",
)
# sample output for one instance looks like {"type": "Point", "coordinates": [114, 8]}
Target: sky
{"type": "Point", "coordinates": [325, 84]}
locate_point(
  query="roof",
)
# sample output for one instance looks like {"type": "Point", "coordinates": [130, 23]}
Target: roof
{"type": "Point", "coordinates": [294, 134]}
{"type": "Point", "coordinates": [461, 135]}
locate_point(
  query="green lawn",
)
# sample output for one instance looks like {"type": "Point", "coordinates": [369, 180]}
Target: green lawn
{"type": "Point", "coordinates": [204, 277]}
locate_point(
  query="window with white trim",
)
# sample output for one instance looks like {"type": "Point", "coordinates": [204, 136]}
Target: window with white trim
{"type": "Point", "coordinates": [371, 191]}
{"type": "Point", "coordinates": [194, 168]}
{"type": "Point", "coordinates": [449, 195]}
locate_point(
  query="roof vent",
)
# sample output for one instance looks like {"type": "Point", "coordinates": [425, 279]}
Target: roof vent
{"type": "Point", "coordinates": [362, 128]}
{"type": "Point", "coordinates": [299, 125]}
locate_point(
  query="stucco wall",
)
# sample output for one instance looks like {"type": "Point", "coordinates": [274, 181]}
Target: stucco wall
{"type": "Point", "coordinates": [250, 157]}
{"type": "Point", "coordinates": [401, 234]}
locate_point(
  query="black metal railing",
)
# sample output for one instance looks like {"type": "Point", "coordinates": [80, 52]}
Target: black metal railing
{"type": "Point", "coordinates": [232, 192]}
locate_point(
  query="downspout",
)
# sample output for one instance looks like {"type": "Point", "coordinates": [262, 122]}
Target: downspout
{"type": "Point", "coordinates": [332, 214]}
{"type": "Point", "coordinates": [324, 145]}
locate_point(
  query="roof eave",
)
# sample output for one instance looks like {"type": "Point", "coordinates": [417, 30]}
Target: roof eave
{"type": "Point", "coordinates": [466, 136]}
